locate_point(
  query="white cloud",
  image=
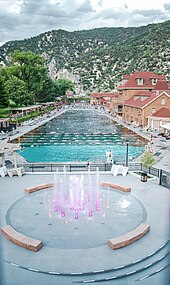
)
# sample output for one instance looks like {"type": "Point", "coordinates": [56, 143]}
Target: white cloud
{"type": "Point", "coordinates": [85, 7]}
{"type": "Point", "coordinates": [21, 19]}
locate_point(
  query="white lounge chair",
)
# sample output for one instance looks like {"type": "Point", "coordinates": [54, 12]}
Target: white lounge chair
{"type": "Point", "coordinates": [112, 168]}
{"type": "Point", "coordinates": [115, 169]}
{"type": "Point", "coordinates": [16, 171]}
{"type": "Point", "coordinates": [119, 169]}
{"type": "Point", "coordinates": [124, 170]}
{"type": "Point", "coordinates": [3, 171]}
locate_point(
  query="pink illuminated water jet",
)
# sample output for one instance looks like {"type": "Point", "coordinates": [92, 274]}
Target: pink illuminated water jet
{"type": "Point", "coordinates": [73, 196]}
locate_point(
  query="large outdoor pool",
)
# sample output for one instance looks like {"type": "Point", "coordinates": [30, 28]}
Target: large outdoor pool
{"type": "Point", "coordinates": [80, 135]}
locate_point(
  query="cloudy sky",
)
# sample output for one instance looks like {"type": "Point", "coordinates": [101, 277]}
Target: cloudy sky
{"type": "Point", "coordinates": [21, 19]}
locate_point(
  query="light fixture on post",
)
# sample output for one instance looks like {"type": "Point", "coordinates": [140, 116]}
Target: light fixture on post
{"type": "Point", "coordinates": [127, 150]}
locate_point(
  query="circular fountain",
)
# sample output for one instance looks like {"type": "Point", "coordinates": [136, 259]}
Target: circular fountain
{"type": "Point", "coordinates": [75, 212]}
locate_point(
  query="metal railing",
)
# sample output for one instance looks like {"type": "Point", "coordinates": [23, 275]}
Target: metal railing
{"type": "Point", "coordinates": [154, 171]}
{"type": "Point", "coordinates": [72, 167]}
{"type": "Point", "coordinates": [57, 167]}
{"type": "Point", "coordinates": [164, 176]}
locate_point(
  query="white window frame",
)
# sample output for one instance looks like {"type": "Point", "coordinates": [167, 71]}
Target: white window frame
{"type": "Point", "coordinates": [163, 101]}
{"type": "Point", "coordinates": [140, 81]}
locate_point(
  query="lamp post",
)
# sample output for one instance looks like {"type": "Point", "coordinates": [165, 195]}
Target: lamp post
{"type": "Point", "coordinates": [127, 149]}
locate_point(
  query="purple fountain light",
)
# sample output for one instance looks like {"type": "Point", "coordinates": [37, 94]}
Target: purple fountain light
{"type": "Point", "coordinates": [73, 195]}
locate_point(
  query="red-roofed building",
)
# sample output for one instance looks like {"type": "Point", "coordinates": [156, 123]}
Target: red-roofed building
{"type": "Point", "coordinates": [159, 118]}
{"type": "Point", "coordinates": [102, 99]}
{"type": "Point", "coordinates": [161, 85]}
{"type": "Point", "coordinates": [143, 104]}
{"type": "Point", "coordinates": [138, 81]}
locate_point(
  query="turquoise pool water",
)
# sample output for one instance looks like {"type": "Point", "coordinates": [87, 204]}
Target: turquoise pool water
{"type": "Point", "coordinates": [79, 135]}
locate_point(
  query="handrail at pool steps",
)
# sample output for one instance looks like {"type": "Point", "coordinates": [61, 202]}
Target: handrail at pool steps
{"type": "Point", "coordinates": [164, 176]}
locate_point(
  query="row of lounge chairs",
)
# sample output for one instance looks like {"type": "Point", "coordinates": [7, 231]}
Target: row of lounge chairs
{"type": "Point", "coordinates": [38, 119]}
{"type": "Point", "coordinates": [13, 171]}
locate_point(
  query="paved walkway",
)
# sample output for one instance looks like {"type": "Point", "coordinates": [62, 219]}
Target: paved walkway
{"type": "Point", "coordinates": [23, 129]}
{"type": "Point", "coordinates": [77, 251]}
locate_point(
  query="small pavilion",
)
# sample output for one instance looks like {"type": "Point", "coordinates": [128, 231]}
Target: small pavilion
{"type": "Point", "coordinates": [5, 149]}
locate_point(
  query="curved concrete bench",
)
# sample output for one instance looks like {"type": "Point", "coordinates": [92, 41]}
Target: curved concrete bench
{"type": "Point", "coordinates": [20, 239]}
{"type": "Point", "coordinates": [115, 186]}
{"type": "Point", "coordinates": [129, 237]}
{"type": "Point", "coordinates": [30, 190]}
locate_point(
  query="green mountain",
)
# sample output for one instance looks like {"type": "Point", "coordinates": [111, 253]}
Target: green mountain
{"type": "Point", "coordinates": [96, 59]}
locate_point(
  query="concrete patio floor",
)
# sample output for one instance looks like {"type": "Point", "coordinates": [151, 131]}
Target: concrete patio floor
{"type": "Point", "coordinates": [77, 251]}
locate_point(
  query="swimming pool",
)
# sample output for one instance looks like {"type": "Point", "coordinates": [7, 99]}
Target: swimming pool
{"type": "Point", "coordinates": [80, 135]}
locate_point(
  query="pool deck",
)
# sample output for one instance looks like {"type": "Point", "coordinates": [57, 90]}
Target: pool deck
{"type": "Point", "coordinates": [144, 262]}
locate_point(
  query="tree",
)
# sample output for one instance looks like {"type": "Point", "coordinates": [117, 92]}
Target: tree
{"type": "Point", "coordinates": [16, 91]}
{"type": "Point", "coordinates": [147, 159]}
{"type": "Point", "coordinates": [3, 96]}
{"type": "Point", "coordinates": [47, 93]}
{"type": "Point", "coordinates": [26, 79]}
{"type": "Point", "coordinates": [30, 68]}
{"type": "Point", "coordinates": [62, 85]}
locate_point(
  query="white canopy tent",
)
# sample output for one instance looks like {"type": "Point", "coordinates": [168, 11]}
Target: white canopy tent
{"type": "Point", "coordinates": [166, 126]}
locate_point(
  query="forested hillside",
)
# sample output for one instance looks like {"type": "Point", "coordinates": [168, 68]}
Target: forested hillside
{"type": "Point", "coordinates": [100, 56]}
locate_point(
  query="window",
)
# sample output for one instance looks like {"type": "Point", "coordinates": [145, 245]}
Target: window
{"type": "Point", "coordinates": [153, 110]}
{"type": "Point", "coordinates": [136, 97]}
{"type": "Point", "coordinates": [143, 98]}
{"type": "Point", "coordinates": [163, 101]}
{"type": "Point", "coordinates": [154, 81]}
{"type": "Point", "coordinates": [140, 81]}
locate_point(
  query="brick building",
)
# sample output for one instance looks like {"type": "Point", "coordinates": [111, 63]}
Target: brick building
{"type": "Point", "coordinates": [138, 81]}
{"type": "Point", "coordinates": [102, 99]}
{"type": "Point", "coordinates": [143, 104]}
{"type": "Point", "coordinates": [159, 119]}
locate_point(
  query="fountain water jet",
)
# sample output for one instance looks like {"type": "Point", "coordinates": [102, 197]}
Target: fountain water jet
{"type": "Point", "coordinates": [73, 195]}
